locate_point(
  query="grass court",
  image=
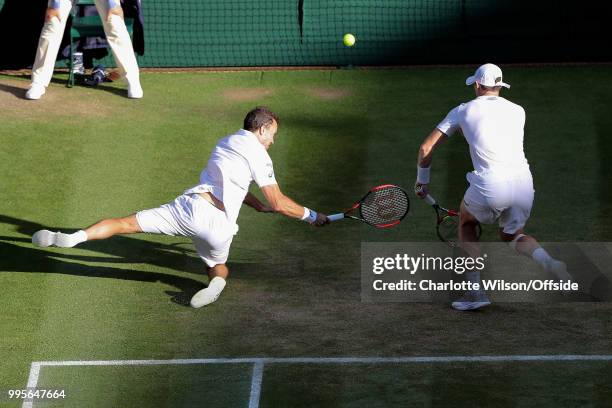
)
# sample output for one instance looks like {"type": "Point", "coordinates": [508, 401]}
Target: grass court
{"type": "Point", "coordinates": [79, 155]}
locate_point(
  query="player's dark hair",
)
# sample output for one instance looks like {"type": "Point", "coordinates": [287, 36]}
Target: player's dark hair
{"type": "Point", "coordinates": [490, 88]}
{"type": "Point", "coordinates": [258, 117]}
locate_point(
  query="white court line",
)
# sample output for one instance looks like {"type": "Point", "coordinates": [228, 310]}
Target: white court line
{"type": "Point", "coordinates": [256, 384]}
{"type": "Point", "coordinates": [332, 360]}
{"type": "Point", "coordinates": [32, 382]}
{"type": "Point", "coordinates": [259, 362]}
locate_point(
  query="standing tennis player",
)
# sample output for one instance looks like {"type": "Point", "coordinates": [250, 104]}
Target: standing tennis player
{"type": "Point", "coordinates": [501, 186]}
{"type": "Point", "coordinates": [207, 213]}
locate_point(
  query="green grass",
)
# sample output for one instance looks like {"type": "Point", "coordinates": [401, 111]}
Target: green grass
{"type": "Point", "coordinates": [79, 155]}
{"type": "Point", "coordinates": [434, 385]}
{"type": "Point", "coordinates": [209, 386]}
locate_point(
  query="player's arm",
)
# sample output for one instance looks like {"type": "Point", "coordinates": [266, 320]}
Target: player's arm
{"type": "Point", "coordinates": [282, 204]}
{"type": "Point", "coordinates": [431, 142]}
{"type": "Point", "coordinates": [255, 203]}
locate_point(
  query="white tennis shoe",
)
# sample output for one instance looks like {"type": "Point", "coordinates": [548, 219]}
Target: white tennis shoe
{"type": "Point", "coordinates": [203, 298]}
{"type": "Point", "coordinates": [135, 91]}
{"type": "Point", "coordinates": [35, 92]}
{"type": "Point", "coordinates": [208, 295]}
{"type": "Point", "coordinates": [471, 300]}
{"type": "Point", "coordinates": [44, 238]}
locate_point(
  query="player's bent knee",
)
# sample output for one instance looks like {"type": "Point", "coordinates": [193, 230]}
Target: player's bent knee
{"type": "Point", "coordinates": [129, 225]}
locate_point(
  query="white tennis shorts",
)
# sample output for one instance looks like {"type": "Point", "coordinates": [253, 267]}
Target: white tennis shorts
{"type": "Point", "coordinates": [190, 215]}
{"type": "Point", "coordinates": [507, 202]}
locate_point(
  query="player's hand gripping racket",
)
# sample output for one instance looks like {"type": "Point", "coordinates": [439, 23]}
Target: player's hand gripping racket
{"type": "Point", "coordinates": [382, 207]}
{"type": "Point", "coordinates": [447, 222]}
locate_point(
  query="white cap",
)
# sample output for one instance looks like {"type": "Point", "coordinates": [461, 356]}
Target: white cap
{"type": "Point", "coordinates": [487, 75]}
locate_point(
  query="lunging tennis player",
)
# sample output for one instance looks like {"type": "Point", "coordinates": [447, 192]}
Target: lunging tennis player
{"type": "Point", "coordinates": [501, 186]}
{"type": "Point", "coordinates": [208, 212]}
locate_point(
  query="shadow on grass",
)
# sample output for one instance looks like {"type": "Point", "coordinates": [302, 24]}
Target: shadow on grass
{"type": "Point", "coordinates": [13, 90]}
{"type": "Point", "coordinates": [20, 92]}
{"type": "Point", "coordinates": [14, 257]}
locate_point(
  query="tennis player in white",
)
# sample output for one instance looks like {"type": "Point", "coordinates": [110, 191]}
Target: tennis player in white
{"type": "Point", "coordinates": [208, 212]}
{"type": "Point", "coordinates": [501, 186]}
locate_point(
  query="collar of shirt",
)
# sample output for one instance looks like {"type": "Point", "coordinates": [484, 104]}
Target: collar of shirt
{"type": "Point", "coordinates": [244, 132]}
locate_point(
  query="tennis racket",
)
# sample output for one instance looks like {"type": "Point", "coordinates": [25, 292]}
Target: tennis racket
{"type": "Point", "coordinates": [447, 223]}
{"type": "Point", "coordinates": [382, 207]}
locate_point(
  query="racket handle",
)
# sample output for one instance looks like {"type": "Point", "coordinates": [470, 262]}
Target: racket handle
{"type": "Point", "coordinates": [335, 217]}
{"type": "Point", "coordinates": [429, 200]}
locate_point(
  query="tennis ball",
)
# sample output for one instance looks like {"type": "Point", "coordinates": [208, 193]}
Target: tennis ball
{"type": "Point", "coordinates": [348, 40]}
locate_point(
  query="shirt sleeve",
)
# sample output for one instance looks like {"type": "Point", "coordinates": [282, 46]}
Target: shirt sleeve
{"type": "Point", "coordinates": [114, 3]}
{"type": "Point", "coordinates": [450, 123]}
{"type": "Point", "coordinates": [54, 4]}
{"type": "Point", "coordinates": [262, 169]}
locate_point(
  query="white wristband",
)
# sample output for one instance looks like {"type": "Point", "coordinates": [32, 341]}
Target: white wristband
{"type": "Point", "coordinates": [309, 216]}
{"type": "Point", "coordinates": [423, 175]}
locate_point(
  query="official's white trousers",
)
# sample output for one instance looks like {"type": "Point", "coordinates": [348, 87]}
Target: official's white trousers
{"type": "Point", "coordinates": [116, 35]}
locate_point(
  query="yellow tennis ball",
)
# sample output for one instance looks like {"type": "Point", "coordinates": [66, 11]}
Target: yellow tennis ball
{"type": "Point", "coordinates": [348, 40]}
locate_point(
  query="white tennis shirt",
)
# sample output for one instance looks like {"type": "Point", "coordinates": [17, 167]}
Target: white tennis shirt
{"type": "Point", "coordinates": [493, 128]}
{"type": "Point", "coordinates": [234, 163]}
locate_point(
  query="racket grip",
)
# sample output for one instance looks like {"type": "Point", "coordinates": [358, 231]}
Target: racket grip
{"type": "Point", "coordinates": [335, 217]}
{"type": "Point", "coordinates": [429, 200]}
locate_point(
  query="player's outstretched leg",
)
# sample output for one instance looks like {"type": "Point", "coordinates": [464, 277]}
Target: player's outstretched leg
{"type": "Point", "coordinates": [217, 276]}
{"type": "Point", "coordinates": [468, 237]}
{"type": "Point", "coordinates": [100, 230]}
{"type": "Point", "coordinates": [531, 248]}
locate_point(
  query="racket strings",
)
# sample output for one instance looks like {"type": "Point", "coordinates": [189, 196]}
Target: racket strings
{"type": "Point", "coordinates": [448, 228]}
{"type": "Point", "coordinates": [384, 206]}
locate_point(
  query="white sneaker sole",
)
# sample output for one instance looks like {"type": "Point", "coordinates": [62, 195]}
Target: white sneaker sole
{"type": "Point", "coordinates": [44, 238]}
{"type": "Point", "coordinates": [34, 95]}
{"type": "Point", "coordinates": [135, 93]}
{"type": "Point", "coordinates": [203, 298]}
{"type": "Point", "coordinates": [469, 305]}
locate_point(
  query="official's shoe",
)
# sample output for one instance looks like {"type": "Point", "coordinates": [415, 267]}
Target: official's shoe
{"type": "Point", "coordinates": [35, 92]}
{"type": "Point", "coordinates": [44, 238]}
{"type": "Point", "coordinates": [135, 91]}
{"type": "Point", "coordinates": [471, 300]}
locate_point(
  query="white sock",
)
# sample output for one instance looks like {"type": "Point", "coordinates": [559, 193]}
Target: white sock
{"type": "Point", "coordinates": [541, 256]}
{"type": "Point", "coordinates": [79, 236]}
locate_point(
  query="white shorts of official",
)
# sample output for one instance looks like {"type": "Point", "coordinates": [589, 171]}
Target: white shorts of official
{"type": "Point", "coordinates": [190, 215]}
{"type": "Point", "coordinates": [507, 202]}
